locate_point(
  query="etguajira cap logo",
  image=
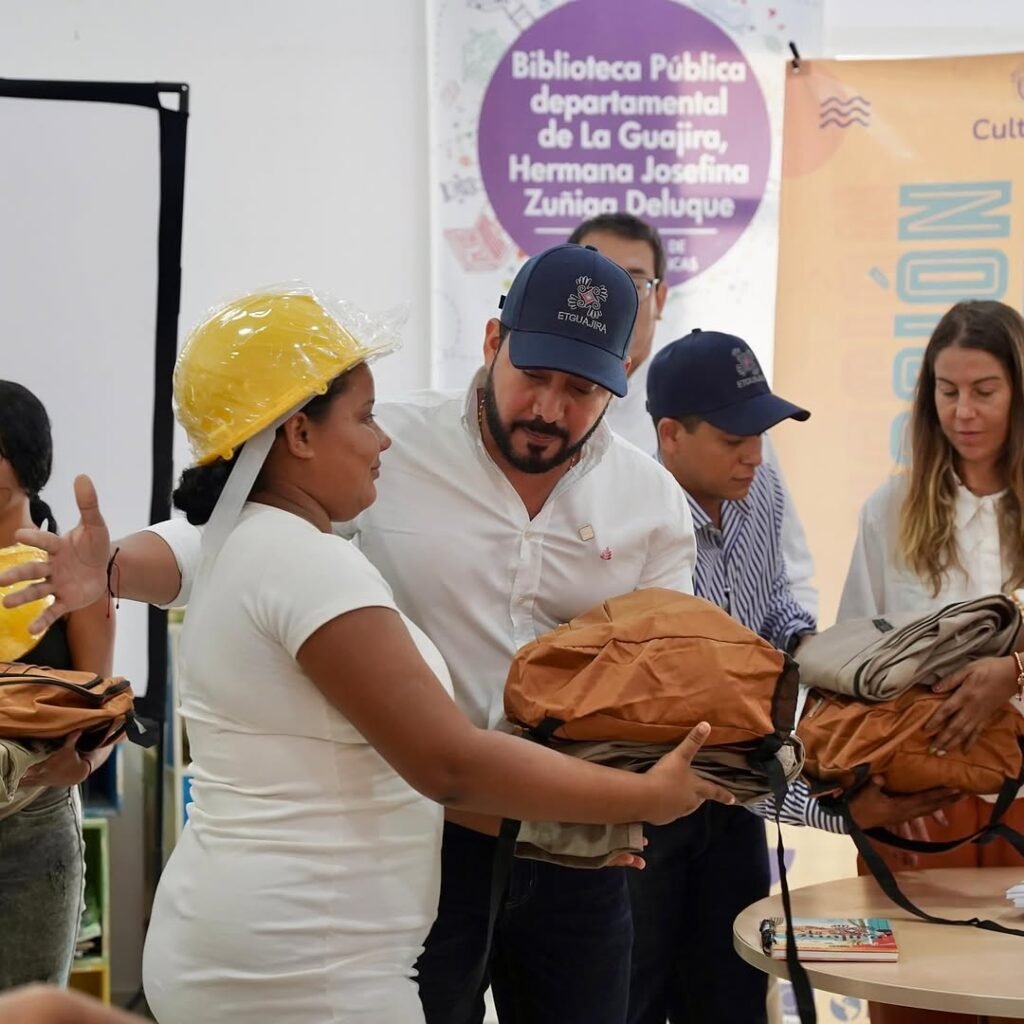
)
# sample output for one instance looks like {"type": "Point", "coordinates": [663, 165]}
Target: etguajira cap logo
{"type": "Point", "coordinates": [571, 310]}
{"type": "Point", "coordinates": [588, 297]}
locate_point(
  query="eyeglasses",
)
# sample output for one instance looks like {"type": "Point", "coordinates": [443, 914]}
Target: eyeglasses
{"type": "Point", "coordinates": [644, 285]}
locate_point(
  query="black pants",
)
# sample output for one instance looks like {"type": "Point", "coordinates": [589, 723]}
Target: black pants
{"type": "Point", "coordinates": [561, 942]}
{"type": "Point", "coordinates": [701, 872]}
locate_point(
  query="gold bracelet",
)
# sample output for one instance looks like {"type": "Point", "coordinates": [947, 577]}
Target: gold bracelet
{"type": "Point", "coordinates": [1020, 676]}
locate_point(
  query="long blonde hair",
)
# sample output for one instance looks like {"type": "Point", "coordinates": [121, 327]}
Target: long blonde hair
{"type": "Point", "coordinates": [927, 517]}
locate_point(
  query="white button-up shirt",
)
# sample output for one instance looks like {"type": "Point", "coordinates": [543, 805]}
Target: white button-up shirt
{"type": "Point", "coordinates": [466, 563]}
{"type": "Point", "coordinates": [628, 416]}
{"type": "Point", "coordinates": [879, 581]}
{"type": "Point", "coordinates": [476, 574]}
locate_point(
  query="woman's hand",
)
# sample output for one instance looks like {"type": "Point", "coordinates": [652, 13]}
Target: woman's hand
{"type": "Point", "coordinates": [676, 790]}
{"type": "Point", "coordinates": [66, 766]}
{"type": "Point", "coordinates": [75, 572]}
{"type": "Point", "coordinates": [906, 813]}
{"type": "Point", "coordinates": [977, 693]}
{"type": "Point", "coordinates": [629, 860]}
{"type": "Point", "coordinates": [917, 829]}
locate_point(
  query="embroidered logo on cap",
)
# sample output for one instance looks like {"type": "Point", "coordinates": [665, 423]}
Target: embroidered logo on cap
{"type": "Point", "coordinates": [747, 370]}
{"type": "Point", "coordinates": [587, 302]}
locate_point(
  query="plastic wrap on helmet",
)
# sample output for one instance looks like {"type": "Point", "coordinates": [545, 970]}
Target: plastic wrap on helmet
{"type": "Point", "coordinates": [15, 639]}
{"type": "Point", "coordinates": [253, 359]}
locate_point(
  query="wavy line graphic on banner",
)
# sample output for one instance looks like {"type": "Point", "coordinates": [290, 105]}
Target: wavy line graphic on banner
{"type": "Point", "coordinates": [835, 110]}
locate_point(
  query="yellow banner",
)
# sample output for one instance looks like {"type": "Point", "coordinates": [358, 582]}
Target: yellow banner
{"type": "Point", "coordinates": [901, 194]}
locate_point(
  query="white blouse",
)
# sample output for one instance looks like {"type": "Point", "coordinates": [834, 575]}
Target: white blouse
{"type": "Point", "coordinates": [879, 581]}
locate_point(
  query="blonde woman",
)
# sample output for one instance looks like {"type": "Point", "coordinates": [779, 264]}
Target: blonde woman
{"type": "Point", "coordinates": [949, 529]}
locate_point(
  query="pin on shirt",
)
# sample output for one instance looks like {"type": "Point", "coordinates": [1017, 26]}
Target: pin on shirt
{"type": "Point", "coordinates": [587, 533]}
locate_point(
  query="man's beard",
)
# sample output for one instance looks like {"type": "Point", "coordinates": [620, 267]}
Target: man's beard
{"type": "Point", "coordinates": [534, 461]}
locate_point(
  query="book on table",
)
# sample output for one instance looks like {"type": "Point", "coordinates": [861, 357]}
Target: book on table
{"type": "Point", "coordinates": [831, 938]}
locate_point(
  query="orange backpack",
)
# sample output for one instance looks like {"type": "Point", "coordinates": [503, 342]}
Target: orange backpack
{"type": "Point", "coordinates": [847, 740]}
{"type": "Point", "coordinates": [647, 667]}
{"type": "Point", "coordinates": [48, 704]}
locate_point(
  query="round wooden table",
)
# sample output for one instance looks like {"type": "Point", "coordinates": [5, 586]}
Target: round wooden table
{"type": "Point", "coordinates": [962, 970]}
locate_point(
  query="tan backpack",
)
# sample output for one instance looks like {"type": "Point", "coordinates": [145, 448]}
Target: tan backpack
{"type": "Point", "coordinates": [647, 667]}
{"type": "Point", "coordinates": [847, 740]}
{"type": "Point", "coordinates": [48, 704]}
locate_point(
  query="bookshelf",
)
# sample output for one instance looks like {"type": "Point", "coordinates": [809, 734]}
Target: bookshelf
{"type": "Point", "coordinates": [91, 970]}
{"type": "Point", "coordinates": [102, 795]}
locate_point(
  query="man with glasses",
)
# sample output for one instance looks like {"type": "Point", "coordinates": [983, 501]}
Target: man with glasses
{"type": "Point", "coordinates": [636, 246]}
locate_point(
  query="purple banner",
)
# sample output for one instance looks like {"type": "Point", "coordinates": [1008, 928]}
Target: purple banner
{"type": "Point", "coordinates": [646, 107]}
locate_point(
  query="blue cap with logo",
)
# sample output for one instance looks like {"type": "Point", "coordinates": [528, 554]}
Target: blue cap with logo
{"type": "Point", "coordinates": [572, 310]}
{"type": "Point", "coordinates": [718, 378]}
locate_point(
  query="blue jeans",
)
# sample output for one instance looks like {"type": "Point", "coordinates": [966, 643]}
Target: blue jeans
{"type": "Point", "coordinates": [561, 945]}
{"type": "Point", "coordinates": [42, 874]}
{"type": "Point", "coordinates": [702, 870]}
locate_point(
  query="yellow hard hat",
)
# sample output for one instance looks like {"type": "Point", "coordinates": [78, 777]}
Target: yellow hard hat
{"type": "Point", "coordinates": [252, 360]}
{"type": "Point", "coordinates": [15, 639]}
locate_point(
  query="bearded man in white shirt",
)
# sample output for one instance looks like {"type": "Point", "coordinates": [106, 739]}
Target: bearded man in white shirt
{"type": "Point", "coordinates": [636, 246]}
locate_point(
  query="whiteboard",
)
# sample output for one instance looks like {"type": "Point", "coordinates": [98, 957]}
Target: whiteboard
{"type": "Point", "coordinates": [79, 229]}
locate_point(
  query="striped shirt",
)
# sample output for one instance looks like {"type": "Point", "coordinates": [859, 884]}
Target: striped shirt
{"type": "Point", "coordinates": [740, 565]}
{"type": "Point", "coordinates": [740, 568]}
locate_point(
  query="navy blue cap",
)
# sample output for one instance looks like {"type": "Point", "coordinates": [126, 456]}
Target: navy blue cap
{"type": "Point", "coordinates": [718, 378]}
{"type": "Point", "coordinates": [572, 310]}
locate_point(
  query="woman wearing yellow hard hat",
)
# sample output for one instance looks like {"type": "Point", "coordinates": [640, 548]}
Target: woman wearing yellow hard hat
{"type": "Point", "coordinates": [321, 727]}
{"type": "Point", "coordinates": [41, 865]}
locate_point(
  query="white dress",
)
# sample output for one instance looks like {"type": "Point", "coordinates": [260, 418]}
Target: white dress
{"type": "Point", "coordinates": [306, 880]}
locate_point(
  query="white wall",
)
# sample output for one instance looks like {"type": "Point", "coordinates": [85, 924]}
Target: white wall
{"type": "Point", "coordinates": [922, 28]}
{"type": "Point", "coordinates": [308, 158]}
{"type": "Point", "coordinates": [307, 140]}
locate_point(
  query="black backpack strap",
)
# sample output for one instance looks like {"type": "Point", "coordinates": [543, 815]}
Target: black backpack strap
{"type": "Point", "coordinates": [501, 869]}
{"type": "Point", "coordinates": [143, 732]}
{"type": "Point", "coordinates": [545, 730]}
{"type": "Point", "coordinates": [993, 829]}
{"type": "Point", "coordinates": [887, 881]}
{"type": "Point", "coordinates": [785, 697]}
{"type": "Point", "coordinates": [802, 991]}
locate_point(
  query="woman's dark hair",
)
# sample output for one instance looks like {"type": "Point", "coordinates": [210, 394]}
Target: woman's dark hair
{"type": "Point", "coordinates": [26, 442]}
{"type": "Point", "coordinates": [200, 486]}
